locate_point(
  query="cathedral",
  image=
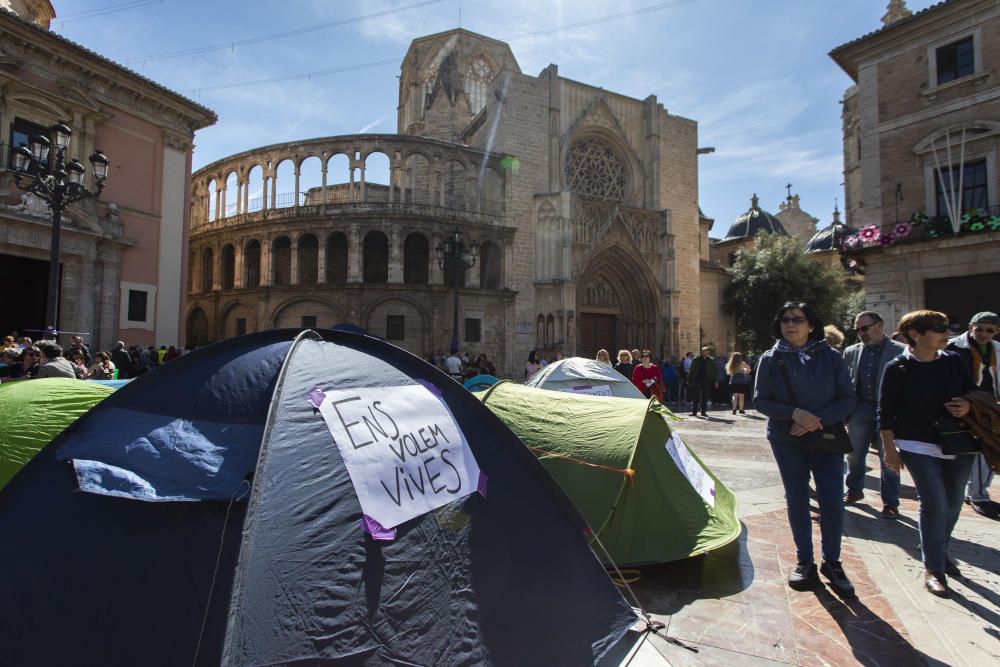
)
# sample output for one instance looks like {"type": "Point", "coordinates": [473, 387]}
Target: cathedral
{"type": "Point", "coordinates": [577, 208]}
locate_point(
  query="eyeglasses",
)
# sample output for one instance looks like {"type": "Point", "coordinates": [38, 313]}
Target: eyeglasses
{"type": "Point", "coordinates": [793, 320]}
{"type": "Point", "coordinates": [866, 327]}
{"type": "Point", "coordinates": [936, 328]}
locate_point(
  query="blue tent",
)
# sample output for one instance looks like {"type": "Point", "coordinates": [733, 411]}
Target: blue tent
{"type": "Point", "coordinates": [219, 524]}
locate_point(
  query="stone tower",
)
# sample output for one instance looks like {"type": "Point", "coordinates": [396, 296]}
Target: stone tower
{"type": "Point", "coordinates": [40, 12]}
{"type": "Point", "coordinates": [797, 222]}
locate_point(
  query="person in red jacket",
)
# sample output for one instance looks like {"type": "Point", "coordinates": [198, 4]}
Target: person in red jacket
{"type": "Point", "coordinates": [648, 378]}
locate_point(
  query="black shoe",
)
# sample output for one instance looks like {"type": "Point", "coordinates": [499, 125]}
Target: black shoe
{"type": "Point", "coordinates": [734, 412]}
{"type": "Point", "coordinates": [705, 415]}
{"type": "Point", "coordinates": [803, 577]}
{"type": "Point", "coordinates": [951, 568]}
{"type": "Point", "coordinates": [936, 583]}
{"type": "Point", "coordinates": [743, 412]}
{"type": "Point", "coordinates": [694, 414]}
{"type": "Point", "coordinates": [986, 508]}
{"type": "Point", "coordinates": [839, 582]}
{"type": "Point", "coordinates": [890, 512]}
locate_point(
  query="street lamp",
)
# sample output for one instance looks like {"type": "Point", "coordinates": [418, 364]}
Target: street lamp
{"type": "Point", "coordinates": [58, 182]}
{"type": "Point", "coordinates": [454, 256]}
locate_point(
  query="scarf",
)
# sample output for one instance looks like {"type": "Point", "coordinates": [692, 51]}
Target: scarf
{"type": "Point", "coordinates": [977, 361]}
{"type": "Point", "coordinates": [804, 353]}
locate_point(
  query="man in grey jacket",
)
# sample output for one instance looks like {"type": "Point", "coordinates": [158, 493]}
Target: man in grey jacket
{"type": "Point", "coordinates": [54, 364]}
{"type": "Point", "coordinates": [866, 361]}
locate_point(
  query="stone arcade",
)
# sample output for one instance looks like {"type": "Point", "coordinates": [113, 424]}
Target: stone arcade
{"type": "Point", "coordinates": [584, 203]}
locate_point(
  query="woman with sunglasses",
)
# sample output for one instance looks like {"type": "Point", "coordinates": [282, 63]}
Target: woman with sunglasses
{"type": "Point", "coordinates": [803, 385]}
{"type": "Point", "coordinates": [919, 386]}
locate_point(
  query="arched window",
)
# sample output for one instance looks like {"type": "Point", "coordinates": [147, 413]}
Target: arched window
{"type": "Point", "coordinates": [416, 259]}
{"type": "Point", "coordinates": [255, 189]}
{"type": "Point", "coordinates": [251, 264]}
{"type": "Point", "coordinates": [490, 264]}
{"type": "Point", "coordinates": [231, 195]}
{"type": "Point", "coordinates": [308, 259]}
{"type": "Point", "coordinates": [420, 179]}
{"type": "Point", "coordinates": [284, 180]}
{"type": "Point", "coordinates": [228, 260]}
{"type": "Point", "coordinates": [336, 259]}
{"type": "Point", "coordinates": [197, 329]}
{"type": "Point", "coordinates": [376, 258]}
{"type": "Point", "coordinates": [491, 192]}
{"type": "Point", "coordinates": [281, 261]}
{"type": "Point", "coordinates": [477, 79]}
{"type": "Point", "coordinates": [212, 200]}
{"type": "Point", "coordinates": [593, 169]}
{"type": "Point", "coordinates": [207, 269]}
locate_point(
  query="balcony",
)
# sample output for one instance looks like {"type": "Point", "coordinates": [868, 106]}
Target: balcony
{"type": "Point", "coordinates": [922, 228]}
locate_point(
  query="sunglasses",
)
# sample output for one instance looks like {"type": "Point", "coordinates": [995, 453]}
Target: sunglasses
{"type": "Point", "coordinates": [936, 328]}
{"type": "Point", "coordinates": [866, 327]}
{"type": "Point", "coordinates": [793, 320]}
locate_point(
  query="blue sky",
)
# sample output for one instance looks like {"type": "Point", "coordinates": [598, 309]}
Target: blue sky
{"type": "Point", "coordinates": [754, 73]}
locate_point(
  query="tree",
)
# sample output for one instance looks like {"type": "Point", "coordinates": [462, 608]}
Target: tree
{"type": "Point", "coordinates": [774, 271]}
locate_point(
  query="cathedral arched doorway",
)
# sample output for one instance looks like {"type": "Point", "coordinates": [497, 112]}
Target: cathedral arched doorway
{"type": "Point", "coordinates": [616, 304]}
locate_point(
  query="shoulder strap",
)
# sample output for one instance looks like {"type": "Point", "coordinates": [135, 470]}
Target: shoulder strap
{"type": "Point", "coordinates": [788, 382]}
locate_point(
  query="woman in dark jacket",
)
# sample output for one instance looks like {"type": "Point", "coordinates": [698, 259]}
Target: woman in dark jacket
{"type": "Point", "coordinates": [920, 385]}
{"type": "Point", "coordinates": [823, 396]}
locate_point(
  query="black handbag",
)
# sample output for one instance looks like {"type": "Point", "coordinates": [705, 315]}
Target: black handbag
{"type": "Point", "coordinates": [833, 439]}
{"type": "Point", "coordinates": [954, 437]}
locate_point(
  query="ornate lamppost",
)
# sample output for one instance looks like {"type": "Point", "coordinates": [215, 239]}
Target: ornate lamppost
{"type": "Point", "coordinates": [454, 256]}
{"type": "Point", "coordinates": [42, 170]}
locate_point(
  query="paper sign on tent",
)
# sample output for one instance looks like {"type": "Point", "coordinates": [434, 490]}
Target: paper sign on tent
{"type": "Point", "coordinates": [695, 474]}
{"type": "Point", "coordinates": [592, 390]}
{"type": "Point", "coordinates": [404, 451]}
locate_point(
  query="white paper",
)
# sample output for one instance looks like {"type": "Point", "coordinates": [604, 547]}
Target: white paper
{"type": "Point", "coordinates": [403, 449]}
{"type": "Point", "coordinates": [592, 390]}
{"type": "Point", "coordinates": [695, 474]}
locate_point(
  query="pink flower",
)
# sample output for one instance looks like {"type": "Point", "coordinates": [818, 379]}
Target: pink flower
{"type": "Point", "coordinates": [869, 233]}
{"type": "Point", "coordinates": [851, 241]}
{"type": "Point", "coordinates": [902, 229]}
{"type": "Point", "coordinates": [887, 240]}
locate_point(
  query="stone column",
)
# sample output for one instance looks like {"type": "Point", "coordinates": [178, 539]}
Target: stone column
{"type": "Point", "coordinates": [354, 254]}
{"type": "Point", "coordinates": [274, 191]}
{"type": "Point", "coordinates": [321, 260]}
{"type": "Point", "coordinates": [216, 267]}
{"type": "Point", "coordinates": [263, 192]}
{"type": "Point", "coordinates": [295, 195]}
{"type": "Point", "coordinates": [294, 263]}
{"type": "Point", "coordinates": [436, 275]}
{"type": "Point", "coordinates": [265, 261]}
{"type": "Point", "coordinates": [238, 264]}
{"type": "Point", "coordinates": [326, 198]}
{"type": "Point", "coordinates": [364, 193]}
{"type": "Point", "coordinates": [395, 256]}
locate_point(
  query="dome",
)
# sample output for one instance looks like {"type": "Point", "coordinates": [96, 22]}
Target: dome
{"type": "Point", "coordinates": [831, 236]}
{"type": "Point", "coordinates": [753, 222]}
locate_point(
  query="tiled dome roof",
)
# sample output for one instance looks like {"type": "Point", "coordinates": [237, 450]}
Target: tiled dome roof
{"type": "Point", "coordinates": [831, 236]}
{"type": "Point", "coordinates": [754, 222]}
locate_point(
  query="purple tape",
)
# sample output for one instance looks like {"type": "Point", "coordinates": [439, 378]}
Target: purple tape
{"type": "Point", "coordinates": [375, 529]}
{"type": "Point", "coordinates": [430, 386]}
{"type": "Point", "coordinates": [481, 486]}
{"type": "Point", "coordinates": [316, 397]}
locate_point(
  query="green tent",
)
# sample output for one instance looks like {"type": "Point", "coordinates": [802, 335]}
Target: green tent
{"type": "Point", "coordinates": [33, 412]}
{"type": "Point", "coordinates": [648, 498]}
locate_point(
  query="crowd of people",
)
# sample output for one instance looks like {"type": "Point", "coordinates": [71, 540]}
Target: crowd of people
{"type": "Point", "coordinates": [924, 398]}
{"type": "Point", "coordinates": [462, 366]}
{"type": "Point", "coordinates": [21, 358]}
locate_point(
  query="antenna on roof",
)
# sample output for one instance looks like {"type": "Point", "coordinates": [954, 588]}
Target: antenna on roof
{"type": "Point", "coordinates": [460, 16]}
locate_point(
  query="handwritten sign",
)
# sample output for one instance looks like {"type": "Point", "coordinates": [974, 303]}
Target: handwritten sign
{"type": "Point", "coordinates": [403, 449]}
{"type": "Point", "coordinates": [592, 390]}
{"type": "Point", "coordinates": [692, 470]}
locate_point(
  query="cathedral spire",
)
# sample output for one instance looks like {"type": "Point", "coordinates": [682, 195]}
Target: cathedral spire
{"type": "Point", "coordinates": [896, 11]}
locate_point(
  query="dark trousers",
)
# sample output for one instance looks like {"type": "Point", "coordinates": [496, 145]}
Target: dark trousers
{"type": "Point", "coordinates": [941, 489]}
{"type": "Point", "coordinates": [794, 464]}
{"type": "Point", "coordinates": [700, 393]}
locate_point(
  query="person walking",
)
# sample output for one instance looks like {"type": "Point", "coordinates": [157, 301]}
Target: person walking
{"type": "Point", "coordinates": [602, 356]}
{"type": "Point", "coordinates": [702, 379]}
{"type": "Point", "coordinates": [671, 378]}
{"type": "Point", "coordinates": [531, 366]}
{"type": "Point", "coordinates": [866, 361]}
{"type": "Point", "coordinates": [453, 366]}
{"type": "Point", "coordinates": [922, 389]}
{"type": "Point", "coordinates": [648, 378]}
{"type": "Point", "coordinates": [980, 353]}
{"type": "Point", "coordinates": [802, 385]}
{"type": "Point", "coordinates": [738, 371]}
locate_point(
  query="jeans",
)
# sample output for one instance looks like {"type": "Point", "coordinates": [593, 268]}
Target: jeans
{"type": "Point", "coordinates": [794, 464]}
{"type": "Point", "coordinates": [861, 427]}
{"type": "Point", "coordinates": [978, 489]}
{"type": "Point", "coordinates": [699, 394]}
{"type": "Point", "coordinates": [941, 490]}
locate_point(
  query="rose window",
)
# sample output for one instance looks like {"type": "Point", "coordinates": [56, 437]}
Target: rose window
{"type": "Point", "coordinates": [593, 169]}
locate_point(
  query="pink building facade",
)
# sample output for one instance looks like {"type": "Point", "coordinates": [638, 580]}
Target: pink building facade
{"type": "Point", "coordinates": [122, 260]}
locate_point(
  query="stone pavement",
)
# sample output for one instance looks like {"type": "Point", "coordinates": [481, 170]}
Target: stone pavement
{"type": "Point", "coordinates": [732, 606]}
